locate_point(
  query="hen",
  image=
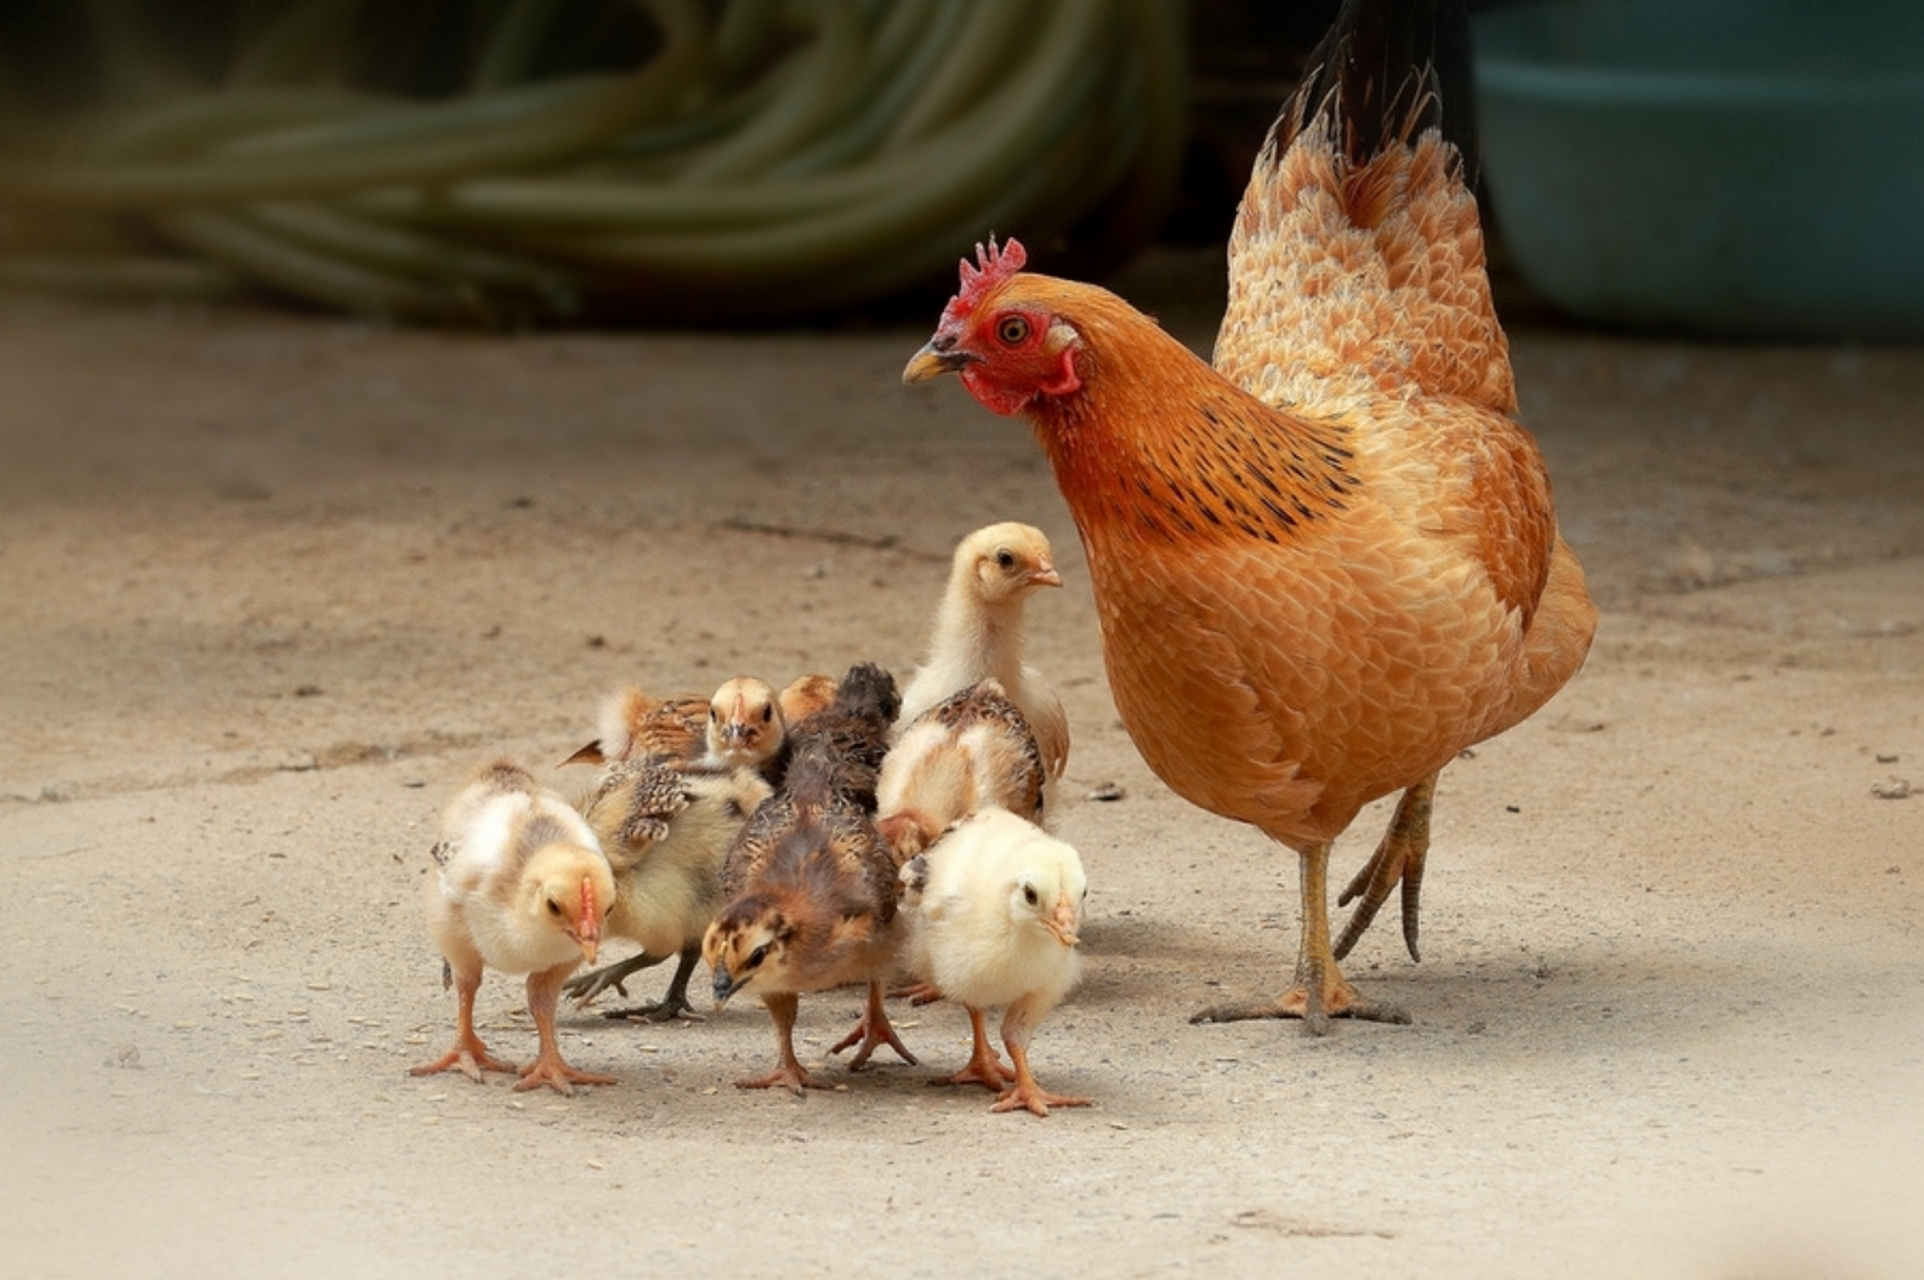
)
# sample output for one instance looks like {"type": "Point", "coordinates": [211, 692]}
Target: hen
{"type": "Point", "coordinates": [979, 633]}
{"type": "Point", "coordinates": [1328, 564]}
{"type": "Point", "coordinates": [666, 830]}
{"type": "Point", "coordinates": [810, 888]}
{"type": "Point", "coordinates": [523, 888]}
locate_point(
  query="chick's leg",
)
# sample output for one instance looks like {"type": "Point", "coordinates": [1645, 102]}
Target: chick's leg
{"type": "Point", "coordinates": [984, 1068]}
{"type": "Point", "coordinates": [1319, 992]}
{"type": "Point", "coordinates": [544, 992]}
{"type": "Point", "coordinates": [584, 987]}
{"type": "Point", "coordinates": [1017, 1024]}
{"type": "Point", "coordinates": [789, 1072]}
{"type": "Point", "coordinates": [873, 1031]}
{"type": "Point", "coordinates": [674, 1002]}
{"type": "Point", "coordinates": [469, 1056]}
{"type": "Point", "coordinates": [1399, 858]}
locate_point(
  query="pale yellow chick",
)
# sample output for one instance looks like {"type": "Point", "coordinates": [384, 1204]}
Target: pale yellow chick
{"type": "Point", "coordinates": [979, 633]}
{"type": "Point", "coordinates": [1000, 908]}
{"type": "Point", "coordinates": [523, 888]}
{"type": "Point", "coordinates": [667, 831]}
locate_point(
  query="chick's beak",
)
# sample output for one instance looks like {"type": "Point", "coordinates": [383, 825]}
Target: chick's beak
{"type": "Point", "coordinates": [725, 986]}
{"type": "Point", "coordinates": [587, 933]}
{"type": "Point", "coordinates": [1046, 574]}
{"type": "Point", "coordinates": [938, 357]}
{"type": "Point", "coordinates": [1062, 922]}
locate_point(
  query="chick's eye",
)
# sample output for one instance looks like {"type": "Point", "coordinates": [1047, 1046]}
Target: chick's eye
{"type": "Point", "coordinates": [1005, 559]}
{"type": "Point", "coordinates": [758, 955]}
{"type": "Point", "coordinates": [554, 908]}
{"type": "Point", "coordinates": [1028, 894]}
{"type": "Point", "coordinates": [1013, 330]}
{"type": "Point", "coordinates": [768, 713]}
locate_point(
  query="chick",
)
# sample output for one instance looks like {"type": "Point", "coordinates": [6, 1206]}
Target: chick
{"type": "Point", "coordinates": [979, 633]}
{"type": "Point", "coordinates": [747, 728]}
{"type": "Point", "coordinates": [972, 750]}
{"type": "Point", "coordinates": [523, 888]}
{"type": "Point", "coordinates": [999, 908]}
{"type": "Point", "coordinates": [803, 696]}
{"type": "Point", "coordinates": [666, 831]}
{"type": "Point", "coordinates": [631, 724]}
{"type": "Point", "coordinates": [811, 889]}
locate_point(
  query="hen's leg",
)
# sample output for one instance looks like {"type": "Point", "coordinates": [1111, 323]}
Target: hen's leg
{"type": "Point", "coordinates": [1398, 858]}
{"type": "Point", "coordinates": [873, 1031]}
{"type": "Point", "coordinates": [469, 1056]}
{"type": "Point", "coordinates": [984, 1068]}
{"type": "Point", "coordinates": [1320, 991]}
{"type": "Point", "coordinates": [1025, 1092]}
{"type": "Point", "coordinates": [544, 992]}
{"type": "Point", "coordinates": [789, 1072]}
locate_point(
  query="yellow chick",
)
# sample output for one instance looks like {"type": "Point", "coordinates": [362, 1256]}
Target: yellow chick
{"type": "Point", "coordinates": [997, 919]}
{"type": "Point", "coordinates": [979, 633]}
{"type": "Point", "coordinates": [666, 830]}
{"type": "Point", "coordinates": [523, 888]}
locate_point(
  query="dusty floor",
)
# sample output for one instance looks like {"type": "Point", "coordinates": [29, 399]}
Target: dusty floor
{"type": "Point", "coordinates": [275, 583]}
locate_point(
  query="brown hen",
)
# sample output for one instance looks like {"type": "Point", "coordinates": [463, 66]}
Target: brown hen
{"type": "Point", "coordinates": [1330, 563]}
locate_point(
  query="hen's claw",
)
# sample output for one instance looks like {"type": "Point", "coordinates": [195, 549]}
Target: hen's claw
{"type": "Point", "coordinates": [1399, 858]}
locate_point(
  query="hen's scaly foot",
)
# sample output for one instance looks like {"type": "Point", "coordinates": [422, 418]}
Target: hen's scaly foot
{"type": "Point", "coordinates": [1398, 859]}
{"type": "Point", "coordinates": [1343, 1002]}
{"type": "Point", "coordinates": [550, 1070]}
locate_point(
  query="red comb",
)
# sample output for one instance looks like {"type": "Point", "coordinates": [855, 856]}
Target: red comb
{"type": "Point", "coordinates": [991, 267]}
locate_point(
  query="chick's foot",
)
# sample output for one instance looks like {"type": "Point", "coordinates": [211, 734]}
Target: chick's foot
{"type": "Point", "coordinates": [470, 1058]}
{"type": "Point", "coordinates": [549, 1069]}
{"type": "Point", "coordinates": [873, 1031]}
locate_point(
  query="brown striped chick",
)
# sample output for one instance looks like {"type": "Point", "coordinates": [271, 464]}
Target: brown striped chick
{"type": "Point", "coordinates": [811, 889]}
{"type": "Point", "coordinates": [997, 922]}
{"type": "Point", "coordinates": [523, 888]}
{"type": "Point", "coordinates": [803, 696]}
{"type": "Point", "coordinates": [979, 633]}
{"type": "Point", "coordinates": [666, 831]}
{"type": "Point", "coordinates": [969, 751]}
{"type": "Point", "coordinates": [747, 728]}
{"type": "Point", "coordinates": [630, 724]}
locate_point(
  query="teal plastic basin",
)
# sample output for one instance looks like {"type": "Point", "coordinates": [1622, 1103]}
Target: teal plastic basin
{"type": "Point", "coordinates": [1724, 168]}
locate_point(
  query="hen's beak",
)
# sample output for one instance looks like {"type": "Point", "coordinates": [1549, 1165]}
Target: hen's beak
{"type": "Point", "coordinates": [938, 357]}
{"type": "Point", "coordinates": [1062, 922]}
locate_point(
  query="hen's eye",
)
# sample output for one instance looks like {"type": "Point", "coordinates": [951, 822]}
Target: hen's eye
{"type": "Point", "coordinates": [1013, 330]}
{"type": "Point", "coordinates": [1028, 894]}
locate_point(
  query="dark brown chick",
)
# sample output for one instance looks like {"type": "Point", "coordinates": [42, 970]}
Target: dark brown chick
{"type": "Point", "coordinates": [811, 888]}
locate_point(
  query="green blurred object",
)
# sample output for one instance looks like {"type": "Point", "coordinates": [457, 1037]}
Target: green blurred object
{"type": "Point", "coordinates": [1742, 168]}
{"type": "Point", "coordinates": [755, 160]}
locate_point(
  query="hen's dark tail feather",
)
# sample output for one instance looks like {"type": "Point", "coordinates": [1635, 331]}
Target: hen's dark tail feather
{"type": "Point", "coordinates": [1391, 69]}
